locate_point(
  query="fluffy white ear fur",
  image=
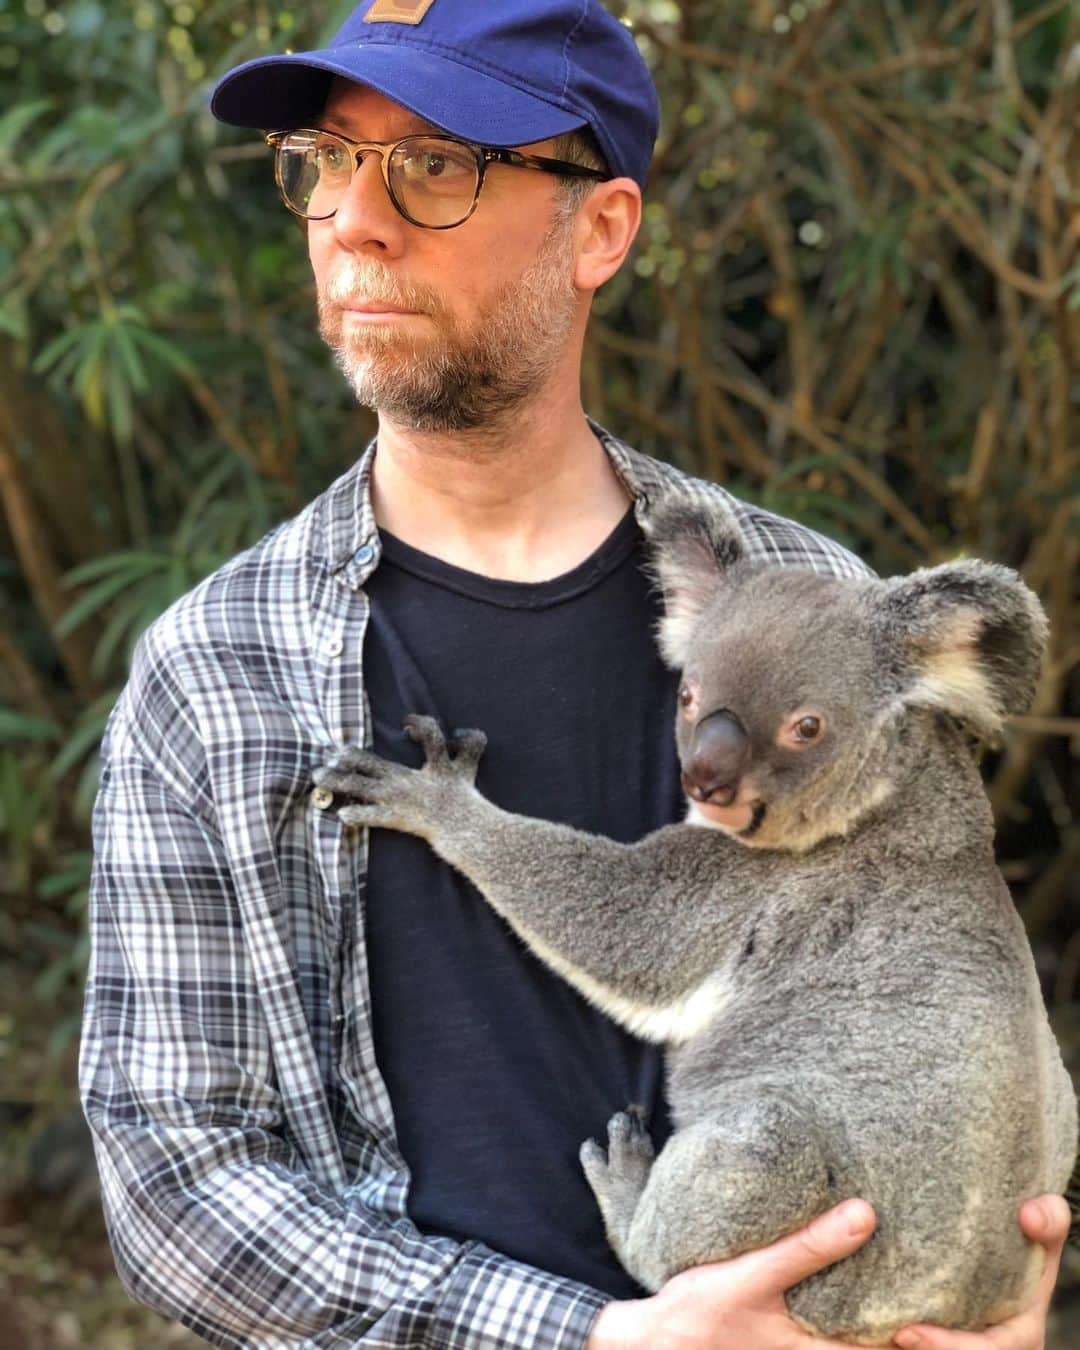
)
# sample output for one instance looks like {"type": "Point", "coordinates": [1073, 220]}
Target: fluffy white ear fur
{"type": "Point", "coordinates": [975, 635]}
{"type": "Point", "coordinates": [953, 680]}
{"type": "Point", "coordinates": [692, 547]}
{"type": "Point", "coordinates": [688, 574]}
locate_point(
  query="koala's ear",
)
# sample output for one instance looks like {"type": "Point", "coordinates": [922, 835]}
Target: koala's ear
{"type": "Point", "coordinates": [971, 636]}
{"type": "Point", "coordinates": [693, 547]}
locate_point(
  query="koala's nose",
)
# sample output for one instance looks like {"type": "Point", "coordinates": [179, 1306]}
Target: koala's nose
{"type": "Point", "coordinates": [718, 758]}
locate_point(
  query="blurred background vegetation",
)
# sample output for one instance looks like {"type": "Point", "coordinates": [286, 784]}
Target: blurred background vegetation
{"type": "Point", "coordinates": [855, 299]}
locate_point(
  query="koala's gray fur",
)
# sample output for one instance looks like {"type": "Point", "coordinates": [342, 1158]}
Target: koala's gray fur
{"type": "Point", "coordinates": [845, 989]}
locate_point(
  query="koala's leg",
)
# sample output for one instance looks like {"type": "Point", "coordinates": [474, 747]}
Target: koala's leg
{"type": "Point", "coordinates": [753, 1170]}
{"type": "Point", "coordinates": [636, 928]}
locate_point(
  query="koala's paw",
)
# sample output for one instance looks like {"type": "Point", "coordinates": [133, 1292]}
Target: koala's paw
{"type": "Point", "coordinates": [618, 1176]}
{"type": "Point", "coordinates": [378, 792]}
{"type": "Point", "coordinates": [383, 794]}
{"type": "Point", "coordinates": [459, 755]}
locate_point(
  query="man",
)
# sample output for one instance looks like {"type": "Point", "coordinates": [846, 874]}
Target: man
{"type": "Point", "coordinates": [335, 1103]}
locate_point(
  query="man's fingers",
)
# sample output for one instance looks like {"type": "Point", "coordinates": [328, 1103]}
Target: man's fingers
{"type": "Point", "coordinates": [828, 1239]}
{"type": "Point", "coordinates": [1045, 1220]}
{"type": "Point", "coordinates": [937, 1338]}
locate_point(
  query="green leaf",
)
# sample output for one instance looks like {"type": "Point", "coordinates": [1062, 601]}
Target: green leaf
{"type": "Point", "coordinates": [172, 356]}
{"type": "Point", "coordinates": [66, 1030]}
{"type": "Point", "coordinates": [136, 562]}
{"type": "Point", "coordinates": [14, 321]}
{"type": "Point", "coordinates": [119, 626]}
{"type": "Point", "coordinates": [121, 420]}
{"type": "Point", "coordinates": [65, 881]}
{"type": "Point", "coordinates": [95, 599]}
{"type": "Point", "coordinates": [125, 346]}
{"type": "Point", "coordinates": [54, 977]}
{"type": "Point", "coordinates": [90, 376]}
{"type": "Point", "coordinates": [52, 351]}
{"type": "Point", "coordinates": [19, 119]}
{"type": "Point", "coordinates": [86, 788]}
{"type": "Point", "coordinates": [194, 514]}
{"type": "Point", "coordinates": [86, 736]}
{"type": "Point", "coordinates": [17, 726]}
{"type": "Point", "coordinates": [48, 935]}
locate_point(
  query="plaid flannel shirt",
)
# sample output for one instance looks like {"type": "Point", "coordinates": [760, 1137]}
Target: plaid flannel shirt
{"type": "Point", "coordinates": [251, 1179]}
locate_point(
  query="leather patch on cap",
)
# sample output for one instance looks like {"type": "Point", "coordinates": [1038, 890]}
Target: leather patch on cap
{"type": "Point", "coordinates": [398, 11]}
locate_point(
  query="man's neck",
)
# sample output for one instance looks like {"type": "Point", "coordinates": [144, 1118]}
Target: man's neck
{"type": "Point", "coordinates": [523, 501]}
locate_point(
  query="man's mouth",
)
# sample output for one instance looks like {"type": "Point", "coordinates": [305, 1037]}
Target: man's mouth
{"type": "Point", "coordinates": [375, 309]}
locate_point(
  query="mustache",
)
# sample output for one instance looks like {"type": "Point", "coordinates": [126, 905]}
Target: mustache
{"type": "Point", "coordinates": [367, 279]}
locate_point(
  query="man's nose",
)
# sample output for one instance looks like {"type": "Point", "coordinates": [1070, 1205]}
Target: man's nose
{"type": "Point", "coordinates": [365, 213]}
{"type": "Point", "coordinates": [719, 756]}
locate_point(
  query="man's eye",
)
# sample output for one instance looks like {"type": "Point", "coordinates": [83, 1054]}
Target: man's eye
{"type": "Point", "coordinates": [434, 165]}
{"type": "Point", "coordinates": [333, 156]}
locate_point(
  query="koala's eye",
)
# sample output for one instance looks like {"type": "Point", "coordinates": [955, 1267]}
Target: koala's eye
{"type": "Point", "coordinates": [803, 730]}
{"type": "Point", "coordinates": [688, 699]}
{"type": "Point", "coordinates": [808, 728]}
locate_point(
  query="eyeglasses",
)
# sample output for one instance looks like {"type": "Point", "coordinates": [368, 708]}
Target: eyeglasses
{"type": "Point", "coordinates": [433, 181]}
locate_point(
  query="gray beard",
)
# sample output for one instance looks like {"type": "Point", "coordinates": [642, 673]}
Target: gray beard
{"type": "Point", "coordinates": [466, 380]}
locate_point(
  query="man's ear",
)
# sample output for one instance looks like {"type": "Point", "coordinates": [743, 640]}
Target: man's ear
{"type": "Point", "coordinates": [970, 637]}
{"type": "Point", "coordinates": [606, 224]}
{"type": "Point", "coordinates": [693, 548]}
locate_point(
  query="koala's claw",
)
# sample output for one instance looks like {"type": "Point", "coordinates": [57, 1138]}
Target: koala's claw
{"type": "Point", "coordinates": [465, 744]}
{"type": "Point", "coordinates": [358, 774]}
{"type": "Point", "coordinates": [593, 1158]}
{"type": "Point", "coordinates": [629, 1153]}
{"type": "Point", "coordinates": [358, 815]}
{"type": "Point", "coordinates": [348, 759]}
{"type": "Point", "coordinates": [628, 1139]}
{"type": "Point", "coordinates": [427, 733]}
{"type": "Point", "coordinates": [352, 773]}
{"type": "Point", "coordinates": [468, 746]}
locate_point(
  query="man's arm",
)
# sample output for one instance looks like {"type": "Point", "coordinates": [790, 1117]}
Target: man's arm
{"type": "Point", "coordinates": [214, 1218]}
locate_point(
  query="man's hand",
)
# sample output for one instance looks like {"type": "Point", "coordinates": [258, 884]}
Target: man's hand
{"type": "Point", "coordinates": [1045, 1220]}
{"type": "Point", "coordinates": [731, 1305]}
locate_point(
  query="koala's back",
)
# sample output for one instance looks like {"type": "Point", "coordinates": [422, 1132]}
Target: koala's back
{"type": "Point", "coordinates": [904, 1017]}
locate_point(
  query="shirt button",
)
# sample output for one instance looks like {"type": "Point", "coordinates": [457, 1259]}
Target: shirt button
{"type": "Point", "coordinates": [363, 555]}
{"type": "Point", "coordinates": [333, 647]}
{"type": "Point", "coordinates": [322, 798]}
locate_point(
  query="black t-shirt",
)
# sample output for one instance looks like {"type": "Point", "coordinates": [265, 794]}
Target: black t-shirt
{"type": "Point", "coordinates": [496, 1068]}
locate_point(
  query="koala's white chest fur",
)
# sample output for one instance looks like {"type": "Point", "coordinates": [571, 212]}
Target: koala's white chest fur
{"type": "Point", "coordinates": [672, 1024]}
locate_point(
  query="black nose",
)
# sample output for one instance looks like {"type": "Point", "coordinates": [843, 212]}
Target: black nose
{"type": "Point", "coordinates": [718, 758]}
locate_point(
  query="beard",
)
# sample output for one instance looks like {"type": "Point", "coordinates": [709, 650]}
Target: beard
{"type": "Point", "coordinates": [463, 378]}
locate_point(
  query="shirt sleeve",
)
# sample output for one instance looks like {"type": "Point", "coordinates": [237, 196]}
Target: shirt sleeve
{"type": "Point", "coordinates": [212, 1216]}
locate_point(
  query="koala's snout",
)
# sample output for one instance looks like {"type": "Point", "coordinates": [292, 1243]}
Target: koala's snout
{"type": "Point", "coordinates": [718, 756]}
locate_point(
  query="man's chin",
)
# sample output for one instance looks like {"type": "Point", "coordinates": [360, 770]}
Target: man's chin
{"type": "Point", "coordinates": [425, 410]}
{"type": "Point", "coordinates": [385, 372]}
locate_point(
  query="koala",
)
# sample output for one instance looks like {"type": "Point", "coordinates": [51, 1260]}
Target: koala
{"type": "Point", "coordinates": [825, 947]}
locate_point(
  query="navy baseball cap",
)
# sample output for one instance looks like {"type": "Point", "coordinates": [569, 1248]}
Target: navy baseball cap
{"type": "Point", "coordinates": [498, 72]}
